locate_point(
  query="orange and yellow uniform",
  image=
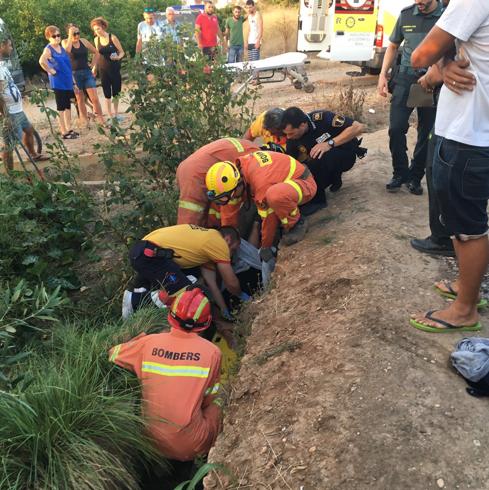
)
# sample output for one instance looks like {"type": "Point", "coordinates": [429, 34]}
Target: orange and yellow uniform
{"type": "Point", "coordinates": [278, 184]}
{"type": "Point", "coordinates": [257, 130]}
{"type": "Point", "coordinates": [193, 206]}
{"type": "Point", "coordinates": [179, 374]}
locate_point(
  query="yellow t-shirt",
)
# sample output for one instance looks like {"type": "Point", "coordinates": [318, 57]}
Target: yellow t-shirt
{"type": "Point", "coordinates": [257, 130]}
{"type": "Point", "coordinates": [193, 246]}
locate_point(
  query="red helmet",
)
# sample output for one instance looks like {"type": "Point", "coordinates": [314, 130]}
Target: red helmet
{"type": "Point", "coordinates": [191, 311]}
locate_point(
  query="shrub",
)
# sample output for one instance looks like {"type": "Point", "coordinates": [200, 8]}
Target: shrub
{"type": "Point", "coordinates": [185, 105]}
{"type": "Point", "coordinates": [349, 101]}
{"type": "Point", "coordinates": [77, 425]}
{"type": "Point", "coordinates": [25, 313]}
{"type": "Point", "coordinates": [43, 227]}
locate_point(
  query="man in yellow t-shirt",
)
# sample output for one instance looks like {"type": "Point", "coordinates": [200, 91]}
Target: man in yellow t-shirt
{"type": "Point", "coordinates": [164, 257]}
{"type": "Point", "coordinates": [269, 126]}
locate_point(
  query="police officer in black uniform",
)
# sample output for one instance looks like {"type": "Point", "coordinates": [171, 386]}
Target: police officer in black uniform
{"type": "Point", "coordinates": [411, 27]}
{"type": "Point", "coordinates": [327, 143]}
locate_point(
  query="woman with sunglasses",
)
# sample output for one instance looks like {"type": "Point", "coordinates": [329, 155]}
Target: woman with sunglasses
{"type": "Point", "coordinates": [56, 63]}
{"type": "Point", "coordinates": [108, 64]}
{"type": "Point", "coordinates": [77, 48]}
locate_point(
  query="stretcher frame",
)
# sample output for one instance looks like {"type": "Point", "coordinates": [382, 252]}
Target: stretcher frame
{"type": "Point", "coordinates": [275, 69]}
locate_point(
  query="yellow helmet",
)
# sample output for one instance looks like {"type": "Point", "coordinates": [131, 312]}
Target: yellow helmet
{"type": "Point", "coordinates": [221, 180]}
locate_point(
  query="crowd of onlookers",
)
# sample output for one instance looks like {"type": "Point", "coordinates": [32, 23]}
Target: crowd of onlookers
{"type": "Point", "coordinates": [72, 63]}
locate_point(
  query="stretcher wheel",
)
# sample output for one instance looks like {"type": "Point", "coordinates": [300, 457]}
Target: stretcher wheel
{"type": "Point", "coordinates": [297, 85]}
{"type": "Point", "coordinates": [309, 88]}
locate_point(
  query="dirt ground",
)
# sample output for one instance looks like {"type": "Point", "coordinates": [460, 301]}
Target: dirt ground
{"type": "Point", "coordinates": [337, 390]}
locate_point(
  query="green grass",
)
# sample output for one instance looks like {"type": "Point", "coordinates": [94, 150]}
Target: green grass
{"type": "Point", "coordinates": [77, 425]}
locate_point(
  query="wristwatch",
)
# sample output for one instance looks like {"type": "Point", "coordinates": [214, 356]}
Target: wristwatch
{"type": "Point", "coordinates": [331, 142]}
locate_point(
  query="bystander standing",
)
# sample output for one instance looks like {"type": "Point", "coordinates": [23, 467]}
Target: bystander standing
{"type": "Point", "coordinates": [461, 163]}
{"type": "Point", "coordinates": [253, 31]}
{"type": "Point", "coordinates": [233, 34]}
{"type": "Point", "coordinates": [207, 30]}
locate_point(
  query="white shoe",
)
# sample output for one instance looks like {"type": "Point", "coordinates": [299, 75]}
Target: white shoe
{"type": "Point", "coordinates": [127, 309]}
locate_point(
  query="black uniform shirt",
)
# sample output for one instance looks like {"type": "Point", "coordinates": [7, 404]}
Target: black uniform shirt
{"type": "Point", "coordinates": [323, 125]}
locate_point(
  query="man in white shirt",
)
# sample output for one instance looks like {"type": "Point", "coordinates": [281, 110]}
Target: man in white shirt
{"type": "Point", "coordinates": [149, 28]}
{"type": "Point", "coordinates": [461, 163]}
{"type": "Point", "coordinates": [253, 31]}
{"type": "Point", "coordinates": [14, 125]}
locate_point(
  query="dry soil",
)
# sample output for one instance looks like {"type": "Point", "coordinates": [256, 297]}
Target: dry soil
{"type": "Point", "coordinates": [337, 390]}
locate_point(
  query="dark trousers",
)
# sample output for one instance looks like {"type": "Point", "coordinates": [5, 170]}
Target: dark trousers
{"type": "Point", "coordinates": [179, 472]}
{"type": "Point", "coordinates": [327, 169]}
{"type": "Point", "coordinates": [156, 272]}
{"type": "Point", "coordinates": [439, 233]}
{"type": "Point", "coordinates": [398, 128]}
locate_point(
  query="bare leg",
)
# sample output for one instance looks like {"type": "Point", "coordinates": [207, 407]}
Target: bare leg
{"type": "Point", "coordinates": [8, 160]}
{"type": "Point", "coordinates": [473, 259]}
{"type": "Point", "coordinates": [97, 108]}
{"type": "Point", "coordinates": [82, 108]}
{"type": "Point", "coordinates": [108, 106]}
{"type": "Point", "coordinates": [62, 124]}
{"type": "Point", "coordinates": [28, 140]}
{"type": "Point", "coordinates": [67, 120]}
{"type": "Point", "coordinates": [115, 103]}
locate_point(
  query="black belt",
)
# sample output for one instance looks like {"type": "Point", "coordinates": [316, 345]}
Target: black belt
{"type": "Point", "coordinates": [151, 250]}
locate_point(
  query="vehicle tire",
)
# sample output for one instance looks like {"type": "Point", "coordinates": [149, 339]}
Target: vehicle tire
{"type": "Point", "coordinates": [37, 142]}
{"type": "Point", "coordinates": [309, 88]}
{"type": "Point", "coordinates": [373, 71]}
{"type": "Point", "coordinates": [297, 85]}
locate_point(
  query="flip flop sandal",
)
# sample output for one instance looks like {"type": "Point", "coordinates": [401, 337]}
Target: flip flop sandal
{"type": "Point", "coordinates": [451, 294]}
{"type": "Point", "coordinates": [74, 132]}
{"type": "Point", "coordinates": [70, 136]}
{"type": "Point", "coordinates": [447, 327]}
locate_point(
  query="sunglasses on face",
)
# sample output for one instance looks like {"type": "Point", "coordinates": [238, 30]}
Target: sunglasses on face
{"type": "Point", "coordinates": [54, 36]}
{"type": "Point", "coordinates": [222, 198]}
{"type": "Point", "coordinates": [76, 33]}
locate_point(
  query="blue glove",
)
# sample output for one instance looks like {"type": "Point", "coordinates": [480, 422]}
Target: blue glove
{"type": "Point", "coordinates": [244, 297]}
{"type": "Point", "coordinates": [226, 314]}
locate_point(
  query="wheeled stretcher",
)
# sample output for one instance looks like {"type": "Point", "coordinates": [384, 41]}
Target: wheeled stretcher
{"type": "Point", "coordinates": [276, 69]}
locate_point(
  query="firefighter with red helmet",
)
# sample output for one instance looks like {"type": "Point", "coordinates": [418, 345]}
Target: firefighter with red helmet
{"type": "Point", "coordinates": [179, 373]}
{"type": "Point", "coordinates": [193, 205]}
{"type": "Point", "coordinates": [276, 182]}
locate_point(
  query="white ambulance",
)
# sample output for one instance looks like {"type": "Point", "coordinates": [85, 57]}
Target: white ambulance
{"type": "Point", "coordinates": [354, 31]}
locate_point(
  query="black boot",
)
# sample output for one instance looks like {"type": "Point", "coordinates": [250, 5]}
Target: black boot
{"type": "Point", "coordinates": [395, 183]}
{"type": "Point", "coordinates": [432, 247]}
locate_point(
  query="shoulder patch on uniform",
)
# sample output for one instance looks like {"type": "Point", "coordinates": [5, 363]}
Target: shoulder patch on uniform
{"type": "Point", "coordinates": [317, 116]}
{"type": "Point", "coordinates": [338, 121]}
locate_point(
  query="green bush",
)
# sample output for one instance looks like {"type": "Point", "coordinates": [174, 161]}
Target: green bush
{"type": "Point", "coordinates": [25, 313]}
{"type": "Point", "coordinates": [27, 20]}
{"type": "Point", "coordinates": [43, 227]}
{"type": "Point", "coordinates": [185, 105]}
{"type": "Point", "coordinates": [77, 425]}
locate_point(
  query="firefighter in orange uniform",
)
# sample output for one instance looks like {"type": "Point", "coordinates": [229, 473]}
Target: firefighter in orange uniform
{"type": "Point", "coordinates": [179, 373]}
{"type": "Point", "coordinates": [193, 205]}
{"type": "Point", "coordinates": [276, 182]}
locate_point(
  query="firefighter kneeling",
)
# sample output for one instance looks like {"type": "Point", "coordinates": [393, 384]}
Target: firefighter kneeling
{"type": "Point", "coordinates": [179, 373]}
{"type": "Point", "coordinates": [277, 183]}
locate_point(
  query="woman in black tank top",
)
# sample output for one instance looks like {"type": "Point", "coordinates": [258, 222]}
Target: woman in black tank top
{"type": "Point", "coordinates": [108, 64]}
{"type": "Point", "coordinates": [78, 48]}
